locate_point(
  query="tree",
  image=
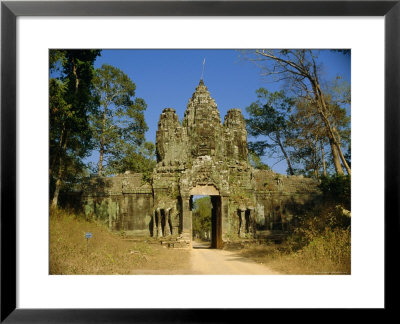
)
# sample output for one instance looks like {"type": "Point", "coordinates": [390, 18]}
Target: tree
{"type": "Point", "coordinates": [337, 189]}
{"type": "Point", "coordinates": [269, 117]}
{"type": "Point", "coordinates": [202, 215]}
{"type": "Point", "coordinates": [70, 101]}
{"type": "Point", "coordinates": [300, 70]}
{"type": "Point", "coordinates": [307, 138]}
{"type": "Point", "coordinates": [255, 161]}
{"type": "Point", "coordinates": [119, 125]}
{"type": "Point", "coordinates": [136, 159]}
{"type": "Point", "coordinates": [338, 96]}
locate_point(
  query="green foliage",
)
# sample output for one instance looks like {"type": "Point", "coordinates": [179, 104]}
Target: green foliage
{"type": "Point", "coordinates": [337, 189]}
{"type": "Point", "coordinates": [136, 159]}
{"type": "Point", "coordinates": [269, 117]}
{"type": "Point", "coordinates": [202, 216]}
{"type": "Point", "coordinates": [119, 125]}
{"type": "Point", "coordinates": [308, 136]}
{"type": "Point", "coordinates": [56, 60]}
{"type": "Point", "coordinates": [71, 99]}
{"type": "Point", "coordinates": [301, 71]}
{"type": "Point", "coordinates": [256, 163]}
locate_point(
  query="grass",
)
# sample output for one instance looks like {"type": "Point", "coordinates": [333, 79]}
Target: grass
{"type": "Point", "coordinates": [328, 253]}
{"type": "Point", "coordinates": [107, 253]}
{"type": "Point", "coordinates": [311, 250]}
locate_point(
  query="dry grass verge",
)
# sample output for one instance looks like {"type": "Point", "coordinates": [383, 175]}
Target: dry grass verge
{"type": "Point", "coordinates": [107, 253]}
{"type": "Point", "coordinates": [325, 254]}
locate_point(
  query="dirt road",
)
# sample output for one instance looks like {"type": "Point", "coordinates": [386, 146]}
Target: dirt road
{"type": "Point", "coordinates": [212, 261]}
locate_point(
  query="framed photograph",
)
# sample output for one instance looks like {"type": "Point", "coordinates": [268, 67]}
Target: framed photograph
{"type": "Point", "coordinates": [30, 292]}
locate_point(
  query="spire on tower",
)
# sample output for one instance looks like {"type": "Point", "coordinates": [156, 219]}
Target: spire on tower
{"type": "Point", "coordinates": [202, 71]}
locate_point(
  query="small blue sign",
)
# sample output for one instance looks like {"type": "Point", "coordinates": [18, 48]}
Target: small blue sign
{"type": "Point", "coordinates": [88, 235]}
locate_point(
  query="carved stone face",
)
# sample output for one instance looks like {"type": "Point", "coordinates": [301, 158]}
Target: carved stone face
{"type": "Point", "coordinates": [201, 145]}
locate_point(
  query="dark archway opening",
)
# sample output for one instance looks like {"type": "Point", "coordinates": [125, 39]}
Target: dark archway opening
{"type": "Point", "coordinates": [206, 221]}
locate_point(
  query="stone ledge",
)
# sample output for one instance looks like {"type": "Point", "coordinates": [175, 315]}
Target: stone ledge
{"type": "Point", "coordinates": [137, 191]}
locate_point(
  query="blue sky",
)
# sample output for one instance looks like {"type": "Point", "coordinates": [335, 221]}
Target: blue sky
{"type": "Point", "coordinates": [167, 78]}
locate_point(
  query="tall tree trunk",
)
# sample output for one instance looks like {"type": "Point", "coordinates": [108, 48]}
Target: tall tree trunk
{"type": "Point", "coordinates": [332, 139]}
{"type": "Point", "coordinates": [102, 140]}
{"type": "Point", "coordinates": [100, 164]}
{"type": "Point", "coordinates": [323, 159]}
{"type": "Point", "coordinates": [58, 153]}
{"type": "Point", "coordinates": [54, 201]}
{"type": "Point", "coordinates": [278, 138]}
{"type": "Point", "coordinates": [315, 159]}
{"type": "Point", "coordinates": [346, 165]}
{"type": "Point", "coordinates": [321, 104]}
{"type": "Point", "coordinates": [336, 158]}
{"type": "Point", "coordinates": [75, 72]}
{"type": "Point", "coordinates": [62, 153]}
{"type": "Point", "coordinates": [339, 141]}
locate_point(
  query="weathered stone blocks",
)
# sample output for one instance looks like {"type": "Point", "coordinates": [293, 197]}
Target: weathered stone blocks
{"type": "Point", "coordinates": [200, 156]}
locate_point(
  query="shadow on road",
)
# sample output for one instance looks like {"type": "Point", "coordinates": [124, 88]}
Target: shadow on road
{"type": "Point", "coordinates": [201, 245]}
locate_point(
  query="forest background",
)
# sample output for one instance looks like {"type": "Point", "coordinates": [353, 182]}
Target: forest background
{"type": "Point", "coordinates": [104, 107]}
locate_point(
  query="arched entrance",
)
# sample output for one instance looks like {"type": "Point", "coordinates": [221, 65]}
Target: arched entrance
{"type": "Point", "coordinates": [216, 215]}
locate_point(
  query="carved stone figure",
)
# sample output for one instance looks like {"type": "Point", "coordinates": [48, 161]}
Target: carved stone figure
{"type": "Point", "coordinates": [200, 156]}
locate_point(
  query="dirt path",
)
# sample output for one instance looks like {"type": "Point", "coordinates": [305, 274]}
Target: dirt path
{"type": "Point", "coordinates": [212, 261]}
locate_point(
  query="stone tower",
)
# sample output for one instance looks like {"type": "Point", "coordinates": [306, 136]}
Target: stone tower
{"type": "Point", "coordinates": [200, 156]}
{"type": "Point", "coordinates": [201, 133]}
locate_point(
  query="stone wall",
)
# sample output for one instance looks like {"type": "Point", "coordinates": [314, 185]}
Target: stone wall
{"type": "Point", "coordinates": [200, 156]}
{"type": "Point", "coordinates": [123, 202]}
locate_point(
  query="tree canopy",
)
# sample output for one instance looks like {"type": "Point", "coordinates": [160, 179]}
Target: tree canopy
{"type": "Point", "coordinates": [321, 113]}
{"type": "Point", "coordinates": [202, 216]}
{"type": "Point", "coordinates": [269, 117]}
{"type": "Point", "coordinates": [71, 100]}
{"type": "Point", "coordinates": [118, 125]}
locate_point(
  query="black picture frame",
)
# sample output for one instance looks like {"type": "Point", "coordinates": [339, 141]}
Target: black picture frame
{"type": "Point", "coordinates": [10, 10]}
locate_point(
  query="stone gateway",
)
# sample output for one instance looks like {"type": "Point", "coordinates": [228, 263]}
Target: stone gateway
{"type": "Point", "coordinates": [200, 156]}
